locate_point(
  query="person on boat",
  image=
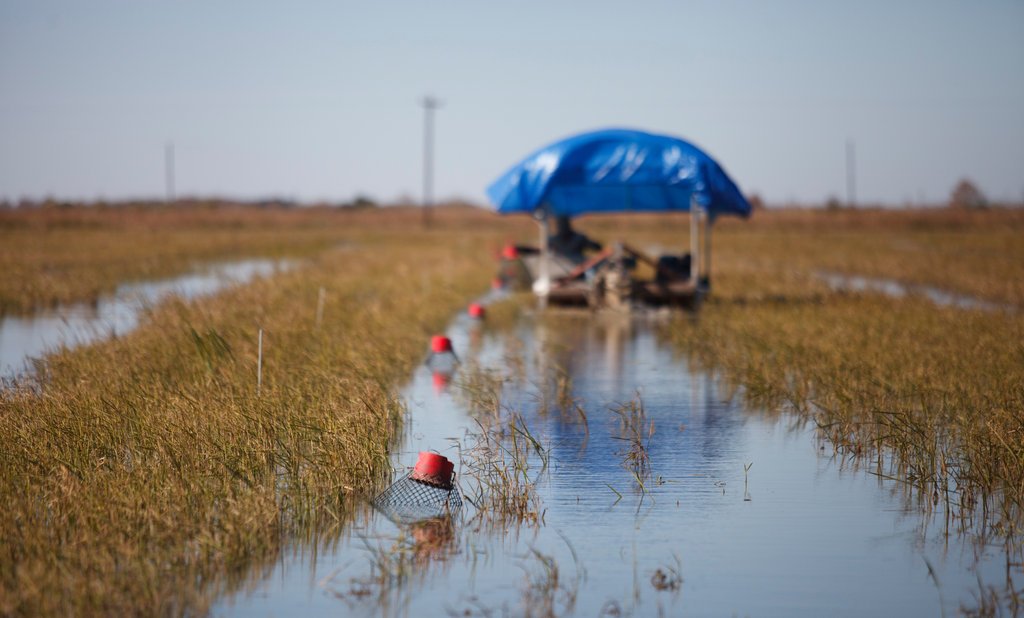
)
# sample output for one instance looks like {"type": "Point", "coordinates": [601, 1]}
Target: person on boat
{"type": "Point", "coordinates": [570, 244]}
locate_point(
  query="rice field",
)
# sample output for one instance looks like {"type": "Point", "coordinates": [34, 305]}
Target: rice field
{"type": "Point", "coordinates": [154, 472]}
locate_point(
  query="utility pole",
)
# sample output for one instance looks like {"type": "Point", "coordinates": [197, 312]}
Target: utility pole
{"type": "Point", "coordinates": [851, 174]}
{"type": "Point", "coordinates": [169, 171]}
{"type": "Point", "coordinates": [429, 104]}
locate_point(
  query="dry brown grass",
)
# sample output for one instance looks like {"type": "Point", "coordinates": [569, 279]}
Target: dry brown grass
{"type": "Point", "coordinates": [60, 255]}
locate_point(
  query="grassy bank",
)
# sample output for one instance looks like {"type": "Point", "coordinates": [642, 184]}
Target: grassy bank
{"type": "Point", "coordinates": [149, 474]}
{"type": "Point", "coordinates": [75, 254]}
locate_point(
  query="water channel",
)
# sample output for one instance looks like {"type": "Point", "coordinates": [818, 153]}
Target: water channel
{"type": "Point", "coordinates": [897, 289]}
{"type": "Point", "coordinates": [24, 338]}
{"type": "Point", "coordinates": [743, 513]}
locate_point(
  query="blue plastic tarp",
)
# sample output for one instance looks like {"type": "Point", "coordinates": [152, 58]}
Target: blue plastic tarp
{"type": "Point", "coordinates": [617, 170]}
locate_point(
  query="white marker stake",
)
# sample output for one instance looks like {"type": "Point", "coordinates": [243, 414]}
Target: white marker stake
{"type": "Point", "coordinates": [259, 365]}
{"type": "Point", "coordinates": [320, 306]}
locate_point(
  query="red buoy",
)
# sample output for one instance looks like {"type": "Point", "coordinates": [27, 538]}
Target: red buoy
{"type": "Point", "coordinates": [509, 252]}
{"type": "Point", "coordinates": [476, 311]}
{"type": "Point", "coordinates": [440, 344]}
{"type": "Point", "coordinates": [433, 469]}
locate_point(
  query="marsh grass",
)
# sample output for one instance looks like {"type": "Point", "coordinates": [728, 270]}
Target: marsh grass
{"type": "Point", "coordinates": [48, 259]}
{"type": "Point", "coordinates": [392, 563]}
{"type": "Point", "coordinates": [555, 395]}
{"type": "Point", "coordinates": [563, 390]}
{"type": "Point", "coordinates": [395, 562]}
{"type": "Point", "coordinates": [547, 592]}
{"type": "Point", "coordinates": [668, 577]}
{"type": "Point", "coordinates": [144, 474]}
{"type": "Point", "coordinates": [77, 253]}
{"type": "Point", "coordinates": [502, 460]}
{"type": "Point", "coordinates": [479, 388]}
{"type": "Point", "coordinates": [746, 481]}
{"type": "Point", "coordinates": [635, 432]}
{"type": "Point", "coordinates": [499, 477]}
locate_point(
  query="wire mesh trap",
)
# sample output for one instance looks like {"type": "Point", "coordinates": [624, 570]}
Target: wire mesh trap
{"type": "Point", "coordinates": [428, 492]}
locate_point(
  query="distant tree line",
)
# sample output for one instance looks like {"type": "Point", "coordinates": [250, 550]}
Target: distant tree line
{"type": "Point", "coordinates": [49, 203]}
{"type": "Point", "coordinates": [966, 195]}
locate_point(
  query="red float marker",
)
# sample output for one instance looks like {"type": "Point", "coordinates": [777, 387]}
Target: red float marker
{"type": "Point", "coordinates": [509, 252]}
{"type": "Point", "coordinates": [442, 356]}
{"type": "Point", "coordinates": [439, 344]}
{"type": "Point", "coordinates": [476, 311]}
{"type": "Point", "coordinates": [433, 469]}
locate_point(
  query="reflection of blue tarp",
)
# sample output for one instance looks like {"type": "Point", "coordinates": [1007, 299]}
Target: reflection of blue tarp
{"type": "Point", "coordinates": [617, 170]}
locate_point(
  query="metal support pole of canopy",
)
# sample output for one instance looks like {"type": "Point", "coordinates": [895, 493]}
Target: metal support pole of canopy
{"type": "Point", "coordinates": [542, 285]}
{"type": "Point", "coordinates": [706, 280]}
{"type": "Point", "coordinates": [695, 213]}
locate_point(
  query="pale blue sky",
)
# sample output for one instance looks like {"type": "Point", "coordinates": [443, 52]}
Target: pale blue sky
{"type": "Point", "coordinates": [319, 100]}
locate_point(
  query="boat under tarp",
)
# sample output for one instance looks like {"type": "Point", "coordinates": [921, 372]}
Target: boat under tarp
{"type": "Point", "coordinates": [617, 171]}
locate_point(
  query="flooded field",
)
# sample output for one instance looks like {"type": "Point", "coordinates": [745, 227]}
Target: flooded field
{"type": "Point", "coordinates": [640, 487]}
{"type": "Point", "coordinates": [24, 338]}
{"type": "Point", "coordinates": [799, 448]}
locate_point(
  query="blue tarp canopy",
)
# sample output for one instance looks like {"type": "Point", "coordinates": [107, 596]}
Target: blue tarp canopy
{"type": "Point", "coordinates": [617, 170]}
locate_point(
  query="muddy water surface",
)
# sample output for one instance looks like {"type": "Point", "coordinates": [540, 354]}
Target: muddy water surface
{"type": "Point", "coordinates": [744, 513]}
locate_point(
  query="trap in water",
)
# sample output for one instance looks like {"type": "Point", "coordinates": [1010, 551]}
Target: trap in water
{"type": "Point", "coordinates": [427, 492]}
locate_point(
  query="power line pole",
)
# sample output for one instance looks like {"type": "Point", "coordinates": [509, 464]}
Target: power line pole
{"type": "Point", "coordinates": [430, 104]}
{"type": "Point", "coordinates": [169, 171]}
{"type": "Point", "coordinates": [851, 174]}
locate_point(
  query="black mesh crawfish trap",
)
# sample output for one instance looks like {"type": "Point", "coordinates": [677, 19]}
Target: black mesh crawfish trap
{"type": "Point", "coordinates": [428, 492]}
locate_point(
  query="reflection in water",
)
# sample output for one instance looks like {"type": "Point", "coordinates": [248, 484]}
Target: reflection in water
{"type": "Point", "coordinates": [440, 380]}
{"type": "Point", "coordinates": [433, 539]}
{"type": "Point", "coordinates": [651, 493]}
{"type": "Point", "coordinates": [24, 338]}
